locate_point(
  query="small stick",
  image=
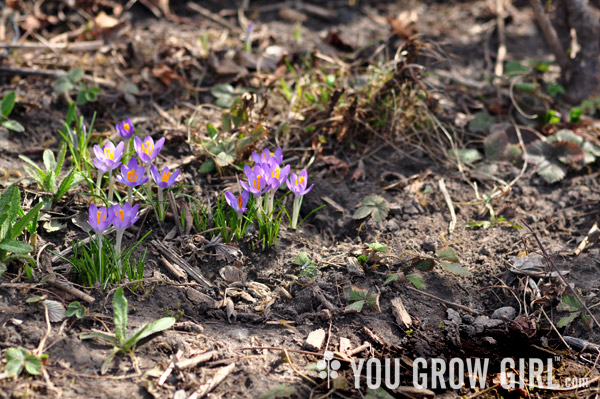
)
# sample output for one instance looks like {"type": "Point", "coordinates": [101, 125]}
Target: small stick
{"type": "Point", "coordinates": [451, 304]}
{"type": "Point", "coordinates": [213, 17]}
{"type": "Point", "coordinates": [196, 360]}
{"type": "Point", "coordinates": [82, 46]}
{"type": "Point", "coordinates": [175, 210]}
{"type": "Point", "coordinates": [358, 349]}
{"type": "Point", "coordinates": [498, 70]}
{"type": "Point", "coordinates": [61, 285]}
{"type": "Point", "coordinates": [170, 368]}
{"type": "Point", "coordinates": [585, 240]}
{"type": "Point", "coordinates": [444, 191]}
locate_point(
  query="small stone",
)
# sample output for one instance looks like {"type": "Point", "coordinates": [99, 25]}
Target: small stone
{"type": "Point", "coordinates": [315, 340]}
{"type": "Point", "coordinates": [409, 208]}
{"type": "Point", "coordinates": [391, 226]}
{"type": "Point", "coordinates": [490, 340]}
{"type": "Point", "coordinates": [484, 251]}
{"type": "Point", "coordinates": [506, 312]}
{"type": "Point", "coordinates": [483, 322]}
{"type": "Point", "coordinates": [430, 244]}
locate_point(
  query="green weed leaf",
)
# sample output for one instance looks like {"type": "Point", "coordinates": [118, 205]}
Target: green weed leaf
{"type": "Point", "coordinates": [374, 206]}
{"type": "Point", "coordinates": [16, 247]}
{"type": "Point", "coordinates": [120, 315]}
{"type": "Point", "coordinates": [8, 103]}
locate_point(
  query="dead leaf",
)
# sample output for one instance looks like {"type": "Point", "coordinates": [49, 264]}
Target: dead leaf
{"type": "Point", "coordinates": [337, 164]}
{"type": "Point", "coordinates": [359, 172]}
{"type": "Point", "coordinates": [105, 21]}
{"type": "Point", "coordinates": [403, 25]}
{"type": "Point", "coordinates": [333, 39]}
{"type": "Point", "coordinates": [291, 15]}
{"type": "Point", "coordinates": [165, 74]}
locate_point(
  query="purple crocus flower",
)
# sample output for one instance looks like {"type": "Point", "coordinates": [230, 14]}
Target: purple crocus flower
{"type": "Point", "coordinates": [99, 218]}
{"type": "Point", "coordinates": [109, 156]}
{"type": "Point", "coordinates": [257, 181]}
{"type": "Point", "coordinates": [147, 150]}
{"type": "Point", "coordinates": [297, 183]}
{"type": "Point", "coordinates": [124, 216]}
{"type": "Point", "coordinates": [132, 174]}
{"type": "Point", "coordinates": [165, 178]}
{"type": "Point", "coordinates": [125, 129]}
{"type": "Point", "coordinates": [267, 155]}
{"type": "Point", "coordinates": [275, 174]}
{"type": "Point", "coordinates": [237, 203]}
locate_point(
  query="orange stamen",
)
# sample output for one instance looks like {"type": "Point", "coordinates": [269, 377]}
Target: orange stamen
{"type": "Point", "coordinates": [240, 202]}
{"type": "Point", "coordinates": [148, 147]}
{"type": "Point", "coordinates": [126, 126]}
{"type": "Point", "coordinates": [98, 216]}
{"type": "Point", "coordinates": [257, 180]}
{"type": "Point", "coordinates": [165, 176]}
{"type": "Point", "coordinates": [132, 176]}
{"type": "Point", "coordinates": [275, 173]}
{"type": "Point", "coordinates": [108, 153]}
{"type": "Point", "coordinates": [301, 179]}
{"type": "Point", "coordinates": [121, 214]}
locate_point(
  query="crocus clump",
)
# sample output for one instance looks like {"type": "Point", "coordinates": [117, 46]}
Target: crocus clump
{"type": "Point", "coordinates": [264, 179]}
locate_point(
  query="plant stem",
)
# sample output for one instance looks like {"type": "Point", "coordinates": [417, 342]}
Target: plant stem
{"type": "Point", "coordinates": [99, 236]}
{"type": "Point", "coordinates": [149, 184]}
{"type": "Point", "coordinates": [259, 211]}
{"type": "Point", "coordinates": [111, 185]}
{"type": "Point", "coordinates": [98, 183]}
{"type": "Point", "coordinates": [130, 195]}
{"type": "Point", "coordinates": [239, 226]}
{"type": "Point", "coordinates": [161, 215]}
{"type": "Point", "coordinates": [118, 249]}
{"type": "Point", "coordinates": [296, 211]}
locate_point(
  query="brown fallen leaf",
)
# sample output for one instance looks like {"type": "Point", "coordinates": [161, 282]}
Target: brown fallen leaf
{"type": "Point", "coordinates": [165, 74]}
{"type": "Point", "coordinates": [359, 172]}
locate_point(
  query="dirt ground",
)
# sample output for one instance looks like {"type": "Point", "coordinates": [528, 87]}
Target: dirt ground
{"type": "Point", "coordinates": [259, 311]}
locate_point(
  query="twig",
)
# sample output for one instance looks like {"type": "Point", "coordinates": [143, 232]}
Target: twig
{"type": "Point", "coordinates": [444, 191]}
{"type": "Point", "coordinates": [555, 330]}
{"type": "Point", "coordinates": [451, 304]}
{"type": "Point", "coordinates": [173, 257]}
{"type": "Point", "coordinates": [585, 240]}
{"type": "Point", "coordinates": [291, 363]}
{"type": "Point", "coordinates": [170, 368]}
{"type": "Point", "coordinates": [175, 210]}
{"type": "Point", "coordinates": [220, 375]}
{"type": "Point", "coordinates": [64, 286]}
{"type": "Point", "coordinates": [549, 34]}
{"type": "Point", "coordinates": [81, 46]}
{"type": "Point", "coordinates": [213, 17]}
{"type": "Point", "coordinates": [196, 360]}
{"type": "Point", "coordinates": [498, 69]}
{"type": "Point", "coordinates": [562, 277]}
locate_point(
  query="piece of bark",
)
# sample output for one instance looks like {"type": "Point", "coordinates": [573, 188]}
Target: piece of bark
{"type": "Point", "coordinates": [400, 313]}
{"type": "Point", "coordinates": [345, 345]}
{"type": "Point", "coordinates": [315, 340]}
{"type": "Point", "coordinates": [219, 376]}
{"type": "Point", "coordinates": [173, 269]}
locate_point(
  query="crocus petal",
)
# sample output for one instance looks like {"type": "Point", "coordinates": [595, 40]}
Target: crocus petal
{"type": "Point", "coordinates": [118, 152]}
{"type": "Point", "coordinates": [98, 152]}
{"type": "Point", "coordinates": [256, 158]}
{"type": "Point", "coordinates": [308, 189]}
{"type": "Point", "coordinates": [137, 145]}
{"type": "Point", "coordinates": [173, 178]}
{"type": "Point", "coordinates": [101, 166]}
{"type": "Point", "coordinates": [245, 196]}
{"type": "Point", "coordinates": [158, 146]}
{"type": "Point", "coordinates": [155, 175]}
{"type": "Point", "coordinates": [245, 186]}
{"type": "Point", "coordinates": [231, 200]}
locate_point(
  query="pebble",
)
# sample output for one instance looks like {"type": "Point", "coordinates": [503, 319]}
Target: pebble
{"type": "Point", "coordinates": [486, 322]}
{"type": "Point", "coordinates": [430, 244]}
{"type": "Point", "coordinates": [507, 312]}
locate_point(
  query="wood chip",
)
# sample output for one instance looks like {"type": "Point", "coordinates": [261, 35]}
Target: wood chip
{"type": "Point", "coordinates": [345, 345]}
{"type": "Point", "coordinates": [400, 313]}
{"type": "Point", "coordinates": [315, 340]}
{"type": "Point", "coordinates": [374, 336]}
{"type": "Point", "coordinates": [333, 204]}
